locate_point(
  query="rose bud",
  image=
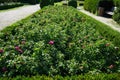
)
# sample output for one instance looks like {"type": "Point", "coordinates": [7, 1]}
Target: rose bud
{"type": "Point", "coordinates": [51, 42]}
{"type": "Point", "coordinates": [1, 51]}
{"type": "Point", "coordinates": [17, 47]}
{"type": "Point", "coordinates": [111, 66]}
{"type": "Point", "coordinates": [4, 69]}
{"type": "Point", "coordinates": [20, 51]}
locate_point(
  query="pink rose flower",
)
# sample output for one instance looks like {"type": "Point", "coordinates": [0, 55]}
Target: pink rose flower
{"type": "Point", "coordinates": [20, 51]}
{"type": "Point", "coordinates": [1, 51]}
{"type": "Point", "coordinates": [4, 69]}
{"type": "Point", "coordinates": [111, 66]}
{"type": "Point", "coordinates": [51, 42]}
{"type": "Point", "coordinates": [17, 48]}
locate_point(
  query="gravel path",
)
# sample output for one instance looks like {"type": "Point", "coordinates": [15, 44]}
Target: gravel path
{"type": "Point", "coordinates": [108, 21]}
{"type": "Point", "coordinates": [9, 17]}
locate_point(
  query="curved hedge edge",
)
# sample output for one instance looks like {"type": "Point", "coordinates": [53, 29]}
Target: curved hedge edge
{"type": "Point", "coordinates": [91, 5]}
{"type": "Point", "coordinates": [101, 76]}
{"type": "Point", "coordinates": [105, 30]}
{"type": "Point", "coordinates": [10, 5]}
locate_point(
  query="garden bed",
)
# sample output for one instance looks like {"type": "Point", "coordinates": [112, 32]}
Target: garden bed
{"type": "Point", "coordinates": [57, 40]}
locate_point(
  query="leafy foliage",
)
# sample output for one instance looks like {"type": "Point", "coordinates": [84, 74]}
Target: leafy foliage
{"type": "Point", "coordinates": [117, 2]}
{"type": "Point", "coordinates": [72, 3]}
{"type": "Point", "coordinates": [91, 5]}
{"type": "Point", "coordinates": [44, 3]}
{"type": "Point", "coordinates": [106, 4]}
{"type": "Point", "coordinates": [116, 15]}
{"type": "Point", "coordinates": [56, 40]}
{"type": "Point", "coordinates": [22, 1]}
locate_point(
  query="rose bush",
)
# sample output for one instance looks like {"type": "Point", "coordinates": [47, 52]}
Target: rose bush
{"type": "Point", "coordinates": [56, 40]}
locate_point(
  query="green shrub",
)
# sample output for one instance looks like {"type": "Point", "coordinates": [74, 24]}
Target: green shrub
{"type": "Point", "coordinates": [57, 0]}
{"type": "Point", "coordinates": [57, 40]}
{"type": "Point", "coordinates": [109, 33]}
{"type": "Point", "coordinates": [32, 1]}
{"type": "Point", "coordinates": [10, 5]}
{"type": "Point", "coordinates": [117, 2]}
{"type": "Point", "coordinates": [72, 3]}
{"type": "Point", "coordinates": [91, 5]}
{"type": "Point", "coordinates": [106, 4]}
{"type": "Point", "coordinates": [44, 3]}
{"type": "Point", "coordinates": [8, 1]}
{"type": "Point", "coordinates": [116, 15]}
{"type": "Point", "coordinates": [22, 1]}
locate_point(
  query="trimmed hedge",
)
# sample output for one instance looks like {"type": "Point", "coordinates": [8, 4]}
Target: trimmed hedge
{"type": "Point", "coordinates": [30, 1]}
{"type": "Point", "coordinates": [44, 3]}
{"type": "Point", "coordinates": [77, 77]}
{"type": "Point", "coordinates": [72, 3]}
{"type": "Point", "coordinates": [91, 5]}
{"type": "Point", "coordinates": [106, 4]}
{"type": "Point", "coordinates": [8, 1]}
{"type": "Point", "coordinates": [116, 15]}
{"type": "Point", "coordinates": [10, 5]}
{"type": "Point", "coordinates": [22, 1]}
{"type": "Point", "coordinates": [117, 3]}
{"type": "Point", "coordinates": [57, 0]}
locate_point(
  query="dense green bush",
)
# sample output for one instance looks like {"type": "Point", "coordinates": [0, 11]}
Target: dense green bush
{"type": "Point", "coordinates": [56, 40]}
{"type": "Point", "coordinates": [91, 5]}
{"type": "Point", "coordinates": [3, 1]}
{"type": "Point", "coordinates": [44, 3]}
{"type": "Point", "coordinates": [117, 2]}
{"type": "Point", "coordinates": [72, 3]}
{"type": "Point", "coordinates": [22, 1]}
{"type": "Point", "coordinates": [10, 5]}
{"type": "Point", "coordinates": [57, 0]}
{"type": "Point", "coordinates": [116, 15]}
{"type": "Point", "coordinates": [29, 1]}
{"type": "Point", "coordinates": [106, 4]}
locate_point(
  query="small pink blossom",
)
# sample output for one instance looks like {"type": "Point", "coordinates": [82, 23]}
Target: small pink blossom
{"type": "Point", "coordinates": [51, 42]}
{"type": "Point", "coordinates": [111, 66]}
{"type": "Point", "coordinates": [17, 47]}
{"type": "Point", "coordinates": [20, 51]}
{"type": "Point", "coordinates": [1, 51]}
{"type": "Point", "coordinates": [4, 69]}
